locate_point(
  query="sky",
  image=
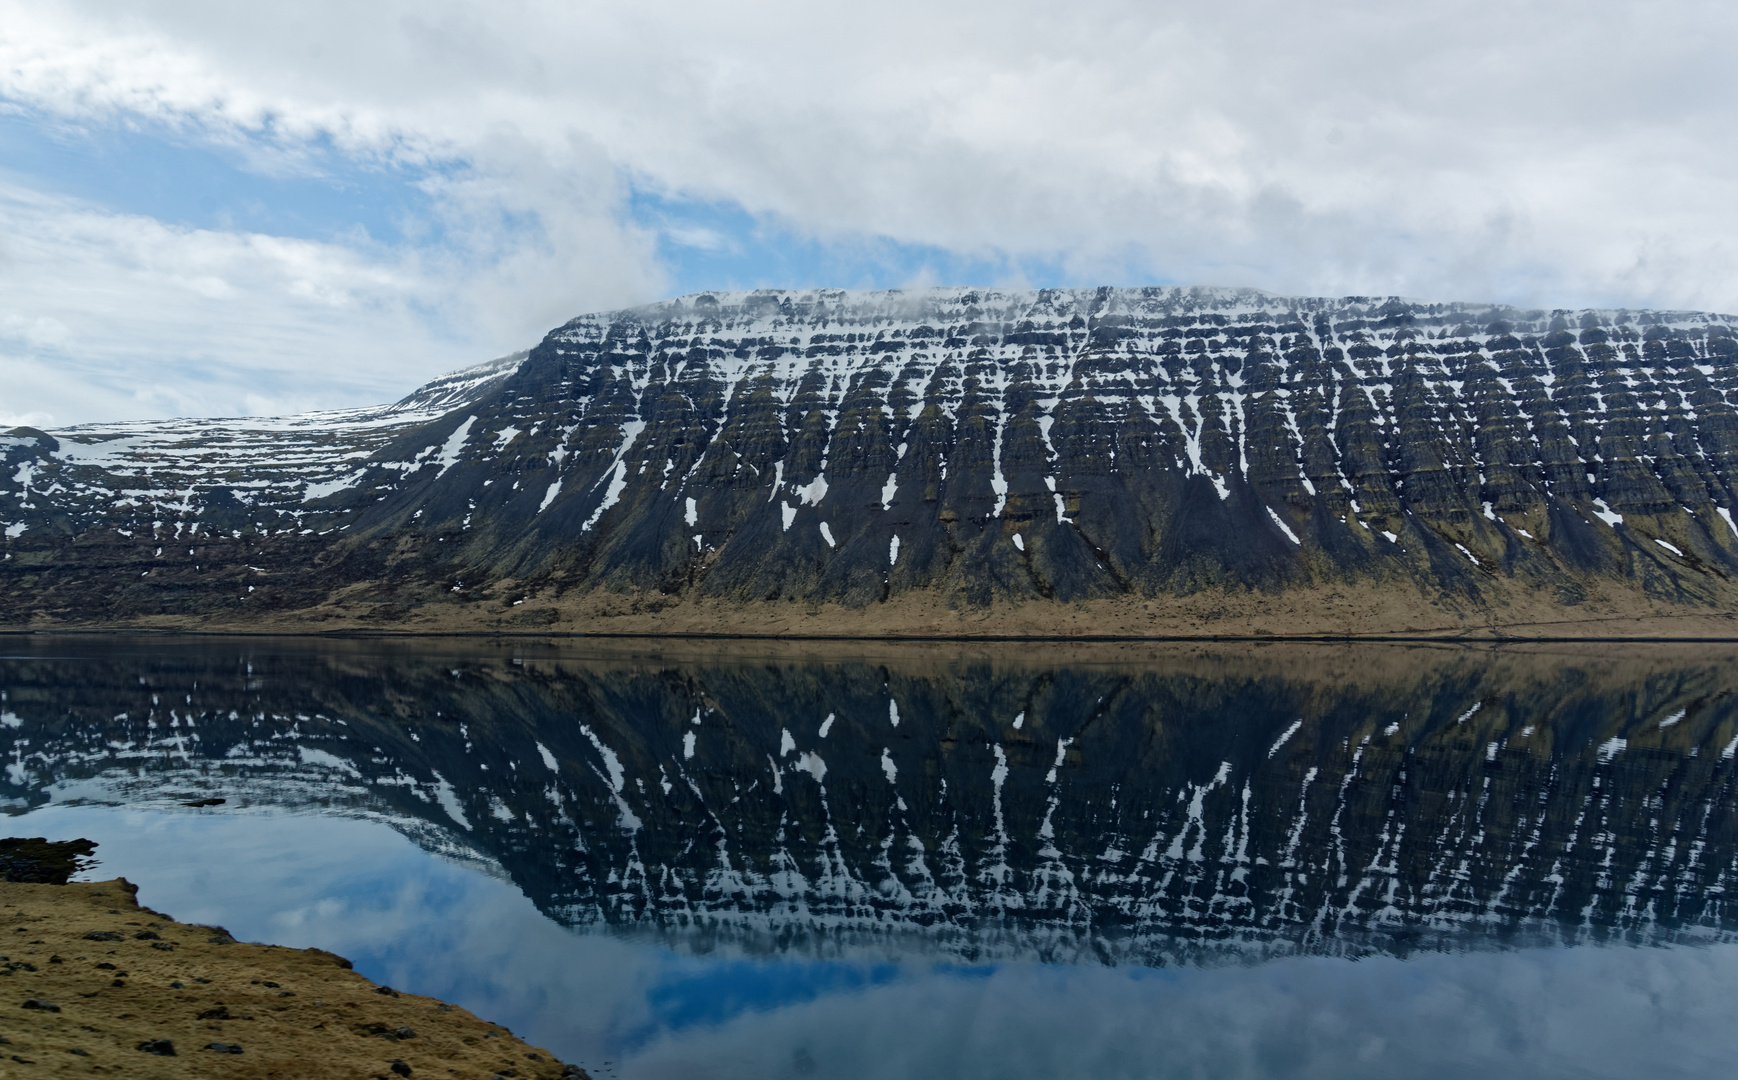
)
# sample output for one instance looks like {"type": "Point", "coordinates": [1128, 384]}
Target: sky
{"type": "Point", "coordinates": [219, 209]}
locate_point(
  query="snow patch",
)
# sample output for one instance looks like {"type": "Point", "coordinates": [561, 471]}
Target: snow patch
{"type": "Point", "coordinates": [814, 491]}
{"type": "Point", "coordinates": [610, 761]}
{"type": "Point", "coordinates": [1283, 527]}
{"type": "Point", "coordinates": [332, 487]}
{"type": "Point", "coordinates": [611, 494]}
{"type": "Point", "coordinates": [549, 496]}
{"type": "Point", "coordinates": [1285, 737]}
{"type": "Point", "coordinates": [630, 432]}
{"type": "Point", "coordinates": [314, 756]}
{"type": "Point", "coordinates": [449, 800]}
{"type": "Point", "coordinates": [1061, 756]}
{"type": "Point", "coordinates": [449, 455]}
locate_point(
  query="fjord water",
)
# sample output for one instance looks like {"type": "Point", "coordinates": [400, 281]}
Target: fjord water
{"type": "Point", "coordinates": [849, 860]}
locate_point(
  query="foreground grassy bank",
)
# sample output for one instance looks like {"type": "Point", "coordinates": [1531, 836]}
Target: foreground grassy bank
{"type": "Point", "coordinates": [91, 983]}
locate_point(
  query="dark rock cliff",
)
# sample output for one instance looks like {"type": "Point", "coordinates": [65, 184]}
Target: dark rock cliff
{"type": "Point", "coordinates": [977, 447]}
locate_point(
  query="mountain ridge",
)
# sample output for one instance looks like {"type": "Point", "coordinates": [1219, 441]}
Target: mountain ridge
{"type": "Point", "coordinates": [1122, 461]}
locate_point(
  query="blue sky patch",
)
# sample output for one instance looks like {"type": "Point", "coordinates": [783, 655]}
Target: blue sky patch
{"type": "Point", "coordinates": [713, 245]}
{"type": "Point", "coordinates": [310, 191]}
{"type": "Point", "coordinates": [712, 993]}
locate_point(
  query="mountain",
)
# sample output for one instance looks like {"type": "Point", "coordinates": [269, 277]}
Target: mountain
{"type": "Point", "coordinates": [1189, 804]}
{"type": "Point", "coordinates": [1108, 461]}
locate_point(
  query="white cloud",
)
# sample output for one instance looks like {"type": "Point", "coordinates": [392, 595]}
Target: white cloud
{"type": "Point", "coordinates": [138, 302]}
{"type": "Point", "coordinates": [106, 315]}
{"type": "Point", "coordinates": [39, 332]}
{"type": "Point", "coordinates": [1551, 152]}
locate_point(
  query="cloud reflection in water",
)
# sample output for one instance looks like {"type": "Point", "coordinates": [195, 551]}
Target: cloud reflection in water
{"type": "Point", "coordinates": [420, 922]}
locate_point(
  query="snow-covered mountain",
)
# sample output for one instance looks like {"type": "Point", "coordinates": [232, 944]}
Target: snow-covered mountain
{"type": "Point", "coordinates": [1188, 806]}
{"type": "Point", "coordinates": [969, 449]}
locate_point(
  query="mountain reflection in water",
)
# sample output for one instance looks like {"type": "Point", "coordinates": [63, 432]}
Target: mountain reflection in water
{"type": "Point", "coordinates": [1109, 805]}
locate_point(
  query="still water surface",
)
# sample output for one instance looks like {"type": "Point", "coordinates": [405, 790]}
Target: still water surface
{"type": "Point", "coordinates": [941, 861]}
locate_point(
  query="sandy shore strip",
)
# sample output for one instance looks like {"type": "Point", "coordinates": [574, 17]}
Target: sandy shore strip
{"type": "Point", "coordinates": [93, 984]}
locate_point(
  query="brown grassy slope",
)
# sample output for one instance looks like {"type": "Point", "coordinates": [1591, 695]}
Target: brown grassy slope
{"type": "Point", "coordinates": [1508, 610]}
{"type": "Point", "coordinates": [294, 1012]}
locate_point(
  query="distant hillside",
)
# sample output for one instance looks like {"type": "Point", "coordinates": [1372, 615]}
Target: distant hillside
{"type": "Point", "coordinates": [1108, 461]}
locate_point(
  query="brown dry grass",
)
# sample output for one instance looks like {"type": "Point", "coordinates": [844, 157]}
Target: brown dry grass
{"type": "Point", "coordinates": [1507, 611]}
{"type": "Point", "coordinates": [294, 1012]}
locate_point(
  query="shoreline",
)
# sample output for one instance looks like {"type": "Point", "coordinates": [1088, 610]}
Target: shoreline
{"type": "Point", "coordinates": [371, 634]}
{"type": "Point", "coordinates": [1343, 613]}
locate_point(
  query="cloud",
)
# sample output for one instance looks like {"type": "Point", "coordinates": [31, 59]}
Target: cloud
{"type": "Point", "coordinates": [1548, 153]}
{"type": "Point", "coordinates": [133, 303]}
{"type": "Point", "coordinates": [107, 316]}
